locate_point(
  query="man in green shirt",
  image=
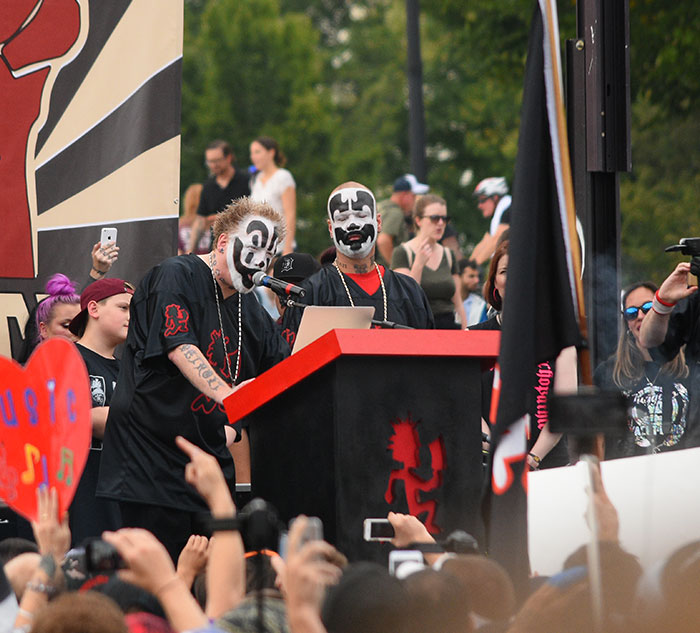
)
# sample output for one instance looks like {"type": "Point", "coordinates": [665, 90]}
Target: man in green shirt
{"type": "Point", "coordinates": [396, 216]}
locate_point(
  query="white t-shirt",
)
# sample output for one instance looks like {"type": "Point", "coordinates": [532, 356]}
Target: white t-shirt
{"type": "Point", "coordinates": [501, 207]}
{"type": "Point", "coordinates": [272, 190]}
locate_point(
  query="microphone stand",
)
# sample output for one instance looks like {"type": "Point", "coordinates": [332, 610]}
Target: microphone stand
{"type": "Point", "coordinates": [390, 325]}
{"type": "Point", "coordinates": [386, 325]}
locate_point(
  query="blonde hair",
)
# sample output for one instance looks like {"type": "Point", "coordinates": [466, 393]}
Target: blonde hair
{"type": "Point", "coordinates": [228, 220]}
{"type": "Point", "coordinates": [629, 362]}
{"type": "Point", "coordinates": [190, 201]}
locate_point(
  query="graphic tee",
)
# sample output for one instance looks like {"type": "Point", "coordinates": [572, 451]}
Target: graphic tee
{"type": "Point", "coordinates": [153, 402]}
{"type": "Point", "coordinates": [89, 516]}
{"type": "Point", "coordinates": [659, 407]}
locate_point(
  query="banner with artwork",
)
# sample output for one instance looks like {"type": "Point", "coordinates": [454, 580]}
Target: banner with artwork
{"type": "Point", "coordinates": [89, 138]}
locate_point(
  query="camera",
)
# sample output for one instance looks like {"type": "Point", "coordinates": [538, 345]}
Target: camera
{"type": "Point", "coordinates": [257, 523]}
{"type": "Point", "coordinates": [689, 246]}
{"type": "Point", "coordinates": [102, 558]}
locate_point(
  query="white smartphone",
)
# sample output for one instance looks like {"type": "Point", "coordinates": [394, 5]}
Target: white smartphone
{"type": "Point", "coordinates": [411, 558]}
{"type": "Point", "coordinates": [378, 530]}
{"type": "Point", "coordinates": [108, 237]}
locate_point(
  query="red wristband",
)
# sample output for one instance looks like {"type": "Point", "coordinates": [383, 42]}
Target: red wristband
{"type": "Point", "coordinates": [662, 302]}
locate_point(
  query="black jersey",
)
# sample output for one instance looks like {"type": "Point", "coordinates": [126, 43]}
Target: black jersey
{"type": "Point", "coordinates": [153, 402]}
{"type": "Point", "coordinates": [406, 301]}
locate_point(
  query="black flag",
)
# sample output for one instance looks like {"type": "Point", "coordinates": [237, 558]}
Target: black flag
{"type": "Point", "coordinates": [539, 314]}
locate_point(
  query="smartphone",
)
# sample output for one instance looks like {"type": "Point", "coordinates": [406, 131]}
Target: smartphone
{"type": "Point", "coordinates": [410, 559]}
{"type": "Point", "coordinates": [378, 530]}
{"type": "Point", "coordinates": [101, 557]}
{"type": "Point", "coordinates": [108, 237]}
{"type": "Point", "coordinates": [589, 412]}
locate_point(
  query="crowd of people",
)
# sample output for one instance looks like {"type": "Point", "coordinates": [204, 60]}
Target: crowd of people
{"type": "Point", "coordinates": [138, 549]}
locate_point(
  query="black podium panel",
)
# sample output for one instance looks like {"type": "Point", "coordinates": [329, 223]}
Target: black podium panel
{"type": "Point", "coordinates": [367, 435]}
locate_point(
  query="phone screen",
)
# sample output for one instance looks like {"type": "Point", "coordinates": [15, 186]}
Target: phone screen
{"type": "Point", "coordinates": [378, 530]}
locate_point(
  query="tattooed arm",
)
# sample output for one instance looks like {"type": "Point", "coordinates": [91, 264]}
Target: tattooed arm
{"type": "Point", "coordinates": [196, 368]}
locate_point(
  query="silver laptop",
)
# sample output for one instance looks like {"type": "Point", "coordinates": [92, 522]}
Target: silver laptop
{"type": "Point", "coordinates": [317, 320]}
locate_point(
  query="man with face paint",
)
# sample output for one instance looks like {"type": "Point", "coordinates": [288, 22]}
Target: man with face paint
{"type": "Point", "coordinates": [354, 278]}
{"type": "Point", "coordinates": [196, 332]}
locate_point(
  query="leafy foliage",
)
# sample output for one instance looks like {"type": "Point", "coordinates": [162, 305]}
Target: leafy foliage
{"type": "Point", "coordinates": [327, 78]}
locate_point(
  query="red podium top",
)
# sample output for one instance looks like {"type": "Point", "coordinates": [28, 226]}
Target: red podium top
{"type": "Point", "coordinates": [482, 344]}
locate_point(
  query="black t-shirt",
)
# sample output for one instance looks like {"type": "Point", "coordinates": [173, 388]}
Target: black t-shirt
{"type": "Point", "coordinates": [153, 402]}
{"type": "Point", "coordinates": [406, 301]}
{"type": "Point", "coordinates": [537, 402]}
{"type": "Point", "coordinates": [658, 411]}
{"type": "Point", "coordinates": [684, 329]}
{"type": "Point", "coordinates": [102, 373]}
{"type": "Point", "coordinates": [214, 198]}
{"type": "Point", "coordinates": [89, 516]}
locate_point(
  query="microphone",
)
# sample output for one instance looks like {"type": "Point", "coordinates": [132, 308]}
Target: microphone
{"type": "Point", "coordinates": [280, 287]}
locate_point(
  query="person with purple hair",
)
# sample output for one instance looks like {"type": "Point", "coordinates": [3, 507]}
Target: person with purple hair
{"type": "Point", "coordinates": [54, 314]}
{"type": "Point", "coordinates": [50, 317]}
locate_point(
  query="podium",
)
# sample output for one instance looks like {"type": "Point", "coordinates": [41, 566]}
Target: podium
{"type": "Point", "coordinates": [363, 422]}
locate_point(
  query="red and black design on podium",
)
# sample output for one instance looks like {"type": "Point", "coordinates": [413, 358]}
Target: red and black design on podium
{"type": "Point", "coordinates": [362, 422]}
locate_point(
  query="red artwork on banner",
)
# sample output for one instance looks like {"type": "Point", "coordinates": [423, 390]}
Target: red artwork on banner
{"type": "Point", "coordinates": [405, 447]}
{"type": "Point", "coordinates": [32, 38]}
{"type": "Point", "coordinates": [45, 426]}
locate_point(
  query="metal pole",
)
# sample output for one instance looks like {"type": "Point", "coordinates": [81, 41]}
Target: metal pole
{"type": "Point", "coordinates": [416, 116]}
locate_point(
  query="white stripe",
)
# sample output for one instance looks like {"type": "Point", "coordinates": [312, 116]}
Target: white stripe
{"type": "Point", "coordinates": [554, 131]}
{"type": "Point", "coordinates": [108, 222]}
{"type": "Point", "coordinates": [145, 81]}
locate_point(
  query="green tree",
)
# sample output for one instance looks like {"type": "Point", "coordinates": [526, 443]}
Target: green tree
{"type": "Point", "coordinates": [659, 199]}
{"type": "Point", "coordinates": [251, 70]}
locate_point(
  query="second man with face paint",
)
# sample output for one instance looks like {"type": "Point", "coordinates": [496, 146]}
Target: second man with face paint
{"type": "Point", "coordinates": [196, 332]}
{"type": "Point", "coordinates": [354, 278]}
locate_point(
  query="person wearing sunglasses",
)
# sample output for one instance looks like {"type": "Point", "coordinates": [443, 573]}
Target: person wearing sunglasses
{"type": "Point", "coordinates": [432, 265]}
{"type": "Point", "coordinates": [658, 392]}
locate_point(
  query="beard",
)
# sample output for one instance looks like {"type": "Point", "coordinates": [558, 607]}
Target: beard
{"type": "Point", "coordinates": [355, 244]}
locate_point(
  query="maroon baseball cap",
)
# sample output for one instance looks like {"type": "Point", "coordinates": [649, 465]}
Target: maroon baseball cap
{"type": "Point", "coordinates": [102, 289]}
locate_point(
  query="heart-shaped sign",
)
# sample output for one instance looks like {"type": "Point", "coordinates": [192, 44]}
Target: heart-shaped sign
{"type": "Point", "coordinates": [45, 426]}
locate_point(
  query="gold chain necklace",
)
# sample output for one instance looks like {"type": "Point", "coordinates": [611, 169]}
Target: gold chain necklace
{"type": "Point", "coordinates": [347, 290]}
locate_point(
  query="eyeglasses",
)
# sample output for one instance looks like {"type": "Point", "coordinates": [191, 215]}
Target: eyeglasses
{"type": "Point", "coordinates": [632, 312]}
{"type": "Point", "coordinates": [438, 218]}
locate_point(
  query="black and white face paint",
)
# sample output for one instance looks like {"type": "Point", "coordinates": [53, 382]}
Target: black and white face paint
{"type": "Point", "coordinates": [250, 249]}
{"type": "Point", "coordinates": [353, 215]}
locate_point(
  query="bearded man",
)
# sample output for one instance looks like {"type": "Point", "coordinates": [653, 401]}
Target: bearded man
{"type": "Point", "coordinates": [196, 331]}
{"type": "Point", "coordinates": [354, 278]}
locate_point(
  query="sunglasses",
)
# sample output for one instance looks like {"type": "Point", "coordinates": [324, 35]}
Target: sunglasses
{"type": "Point", "coordinates": [438, 218]}
{"type": "Point", "coordinates": [632, 312]}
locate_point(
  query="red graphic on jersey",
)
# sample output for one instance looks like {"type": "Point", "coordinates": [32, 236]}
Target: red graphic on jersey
{"type": "Point", "coordinates": [176, 318]}
{"type": "Point", "coordinates": [405, 447]}
{"type": "Point", "coordinates": [32, 35]}
{"type": "Point", "coordinates": [204, 403]}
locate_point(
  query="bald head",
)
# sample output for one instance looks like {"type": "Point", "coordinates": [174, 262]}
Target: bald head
{"type": "Point", "coordinates": [351, 184]}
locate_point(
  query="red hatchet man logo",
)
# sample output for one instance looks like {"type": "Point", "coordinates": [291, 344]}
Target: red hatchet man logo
{"type": "Point", "coordinates": [176, 318]}
{"type": "Point", "coordinates": [405, 447]}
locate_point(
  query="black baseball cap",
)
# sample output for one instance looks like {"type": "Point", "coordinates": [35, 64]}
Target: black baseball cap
{"type": "Point", "coordinates": [295, 267]}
